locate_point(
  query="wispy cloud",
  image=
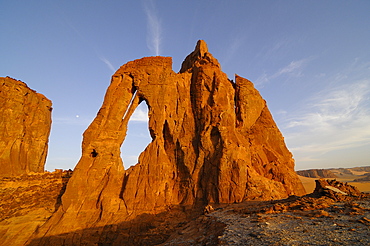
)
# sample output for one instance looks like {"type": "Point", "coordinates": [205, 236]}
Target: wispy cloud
{"type": "Point", "coordinates": [336, 106]}
{"type": "Point", "coordinates": [293, 69]}
{"type": "Point", "coordinates": [235, 44]}
{"type": "Point", "coordinates": [154, 37]}
{"type": "Point", "coordinates": [86, 41]}
{"type": "Point", "coordinates": [140, 115]}
{"type": "Point", "coordinates": [275, 49]}
{"type": "Point", "coordinates": [108, 63]}
{"type": "Point", "coordinates": [336, 118]}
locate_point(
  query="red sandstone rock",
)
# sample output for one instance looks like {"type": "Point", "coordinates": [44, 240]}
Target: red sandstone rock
{"type": "Point", "coordinates": [213, 141]}
{"type": "Point", "coordinates": [26, 202]}
{"type": "Point", "coordinates": [25, 121]}
{"type": "Point", "coordinates": [336, 190]}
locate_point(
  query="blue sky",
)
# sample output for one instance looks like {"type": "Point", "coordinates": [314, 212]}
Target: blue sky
{"type": "Point", "coordinates": [310, 60]}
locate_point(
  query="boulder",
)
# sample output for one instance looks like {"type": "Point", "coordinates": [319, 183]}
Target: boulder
{"type": "Point", "coordinates": [336, 190]}
{"type": "Point", "coordinates": [25, 122]}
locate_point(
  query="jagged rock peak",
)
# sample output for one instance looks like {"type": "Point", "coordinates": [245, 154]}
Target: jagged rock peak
{"type": "Point", "coordinates": [201, 48]}
{"type": "Point", "coordinates": [199, 56]}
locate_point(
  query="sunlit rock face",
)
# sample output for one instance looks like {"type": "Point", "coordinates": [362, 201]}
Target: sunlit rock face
{"type": "Point", "coordinates": [25, 121]}
{"type": "Point", "coordinates": [213, 141]}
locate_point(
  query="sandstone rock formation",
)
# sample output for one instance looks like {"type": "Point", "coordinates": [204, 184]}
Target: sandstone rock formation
{"type": "Point", "coordinates": [25, 121]}
{"type": "Point", "coordinates": [336, 190]}
{"type": "Point", "coordinates": [213, 141]}
{"type": "Point", "coordinates": [26, 202]}
{"type": "Point", "coordinates": [317, 173]}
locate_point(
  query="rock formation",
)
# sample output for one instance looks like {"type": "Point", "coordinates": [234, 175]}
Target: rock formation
{"type": "Point", "coordinates": [26, 202]}
{"type": "Point", "coordinates": [336, 190]}
{"type": "Point", "coordinates": [213, 141]}
{"type": "Point", "coordinates": [25, 121]}
{"type": "Point", "coordinates": [317, 173]}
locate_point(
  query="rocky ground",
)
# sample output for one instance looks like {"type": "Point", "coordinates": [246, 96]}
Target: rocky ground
{"type": "Point", "coordinates": [334, 214]}
{"type": "Point", "coordinates": [341, 223]}
{"type": "Point", "coordinates": [344, 223]}
{"type": "Point", "coordinates": [316, 219]}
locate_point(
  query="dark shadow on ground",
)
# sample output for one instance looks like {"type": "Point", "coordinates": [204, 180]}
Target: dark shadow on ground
{"type": "Point", "coordinates": [145, 229]}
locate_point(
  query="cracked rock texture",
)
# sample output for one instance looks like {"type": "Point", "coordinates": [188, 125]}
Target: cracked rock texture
{"type": "Point", "coordinates": [213, 141]}
{"type": "Point", "coordinates": [25, 121]}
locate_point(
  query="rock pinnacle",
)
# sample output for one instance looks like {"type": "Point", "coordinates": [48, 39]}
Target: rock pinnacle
{"type": "Point", "coordinates": [201, 48]}
{"type": "Point", "coordinates": [200, 55]}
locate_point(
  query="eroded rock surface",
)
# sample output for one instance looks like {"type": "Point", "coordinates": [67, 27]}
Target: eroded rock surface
{"type": "Point", "coordinates": [25, 121]}
{"type": "Point", "coordinates": [26, 202]}
{"type": "Point", "coordinates": [213, 141]}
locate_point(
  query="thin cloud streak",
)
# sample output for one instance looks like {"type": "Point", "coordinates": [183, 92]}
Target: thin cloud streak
{"type": "Point", "coordinates": [293, 69]}
{"type": "Point", "coordinates": [235, 44]}
{"type": "Point", "coordinates": [336, 107]}
{"type": "Point", "coordinates": [154, 37]}
{"type": "Point", "coordinates": [67, 21]}
{"type": "Point", "coordinates": [108, 63]}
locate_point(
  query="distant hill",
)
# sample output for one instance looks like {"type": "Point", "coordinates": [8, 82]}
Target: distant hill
{"type": "Point", "coordinates": [361, 169]}
{"type": "Point", "coordinates": [317, 173]}
{"type": "Point", "coordinates": [363, 179]}
{"type": "Point", "coordinates": [351, 173]}
{"type": "Point", "coordinates": [358, 174]}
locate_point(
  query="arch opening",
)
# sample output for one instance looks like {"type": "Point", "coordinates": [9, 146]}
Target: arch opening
{"type": "Point", "coordinates": [137, 137]}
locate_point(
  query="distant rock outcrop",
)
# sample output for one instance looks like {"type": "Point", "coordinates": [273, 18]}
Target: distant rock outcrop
{"type": "Point", "coordinates": [361, 169]}
{"type": "Point", "coordinates": [213, 141]}
{"type": "Point", "coordinates": [317, 173]}
{"type": "Point", "coordinates": [363, 179]}
{"type": "Point", "coordinates": [25, 121]}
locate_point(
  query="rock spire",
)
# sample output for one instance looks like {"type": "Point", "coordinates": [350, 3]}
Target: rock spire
{"type": "Point", "coordinates": [200, 54]}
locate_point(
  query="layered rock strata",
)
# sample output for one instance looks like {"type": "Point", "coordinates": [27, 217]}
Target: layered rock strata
{"type": "Point", "coordinates": [25, 122]}
{"type": "Point", "coordinates": [213, 141]}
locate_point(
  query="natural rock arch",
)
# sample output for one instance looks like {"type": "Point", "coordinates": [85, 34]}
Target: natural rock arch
{"type": "Point", "coordinates": [214, 141]}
